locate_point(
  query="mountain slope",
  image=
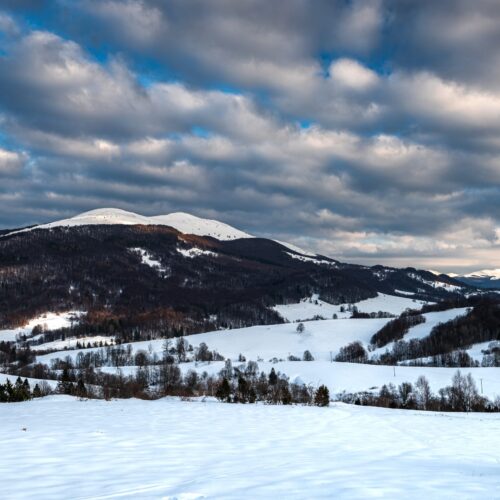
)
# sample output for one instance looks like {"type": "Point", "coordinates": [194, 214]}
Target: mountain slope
{"type": "Point", "coordinates": [154, 279]}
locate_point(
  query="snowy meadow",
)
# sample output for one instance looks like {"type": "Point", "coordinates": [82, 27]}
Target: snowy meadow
{"type": "Point", "coordinates": [193, 445]}
{"type": "Point", "coordinates": [60, 447]}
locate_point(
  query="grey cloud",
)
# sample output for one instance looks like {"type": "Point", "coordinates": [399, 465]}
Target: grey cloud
{"type": "Point", "coordinates": [11, 162]}
{"type": "Point", "coordinates": [456, 39]}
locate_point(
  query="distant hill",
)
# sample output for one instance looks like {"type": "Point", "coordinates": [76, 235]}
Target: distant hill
{"type": "Point", "coordinates": [486, 278]}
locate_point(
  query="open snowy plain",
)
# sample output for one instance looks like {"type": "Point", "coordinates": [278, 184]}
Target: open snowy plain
{"type": "Point", "coordinates": [61, 448]}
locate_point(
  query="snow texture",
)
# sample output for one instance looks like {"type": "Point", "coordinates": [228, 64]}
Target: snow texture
{"type": "Point", "coordinates": [184, 223]}
{"type": "Point", "coordinates": [60, 448]}
{"type": "Point", "coordinates": [190, 224]}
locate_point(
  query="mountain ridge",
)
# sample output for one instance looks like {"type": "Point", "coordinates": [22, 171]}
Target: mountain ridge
{"type": "Point", "coordinates": [182, 221]}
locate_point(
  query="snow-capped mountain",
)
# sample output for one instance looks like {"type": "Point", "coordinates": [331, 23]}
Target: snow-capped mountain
{"type": "Point", "coordinates": [183, 222]}
{"type": "Point", "coordinates": [486, 278]}
{"type": "Point", "coordinates": [485, 273]}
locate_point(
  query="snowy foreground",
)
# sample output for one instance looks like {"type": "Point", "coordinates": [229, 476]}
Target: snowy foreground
{"type": "Point", "coordinates": [59, 447]}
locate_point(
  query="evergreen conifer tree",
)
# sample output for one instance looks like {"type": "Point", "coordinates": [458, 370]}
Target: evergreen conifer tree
{"type": "Point", "coordinates": [37, 393]}
{"type": "Point", "coordinates": [273, 378]}
{"type": "Point", "coordinates": [223, 391]}
{"type": "Point", "coordinates": [322, 396]}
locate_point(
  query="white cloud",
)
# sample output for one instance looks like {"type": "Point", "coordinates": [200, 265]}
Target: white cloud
{"type": "Point", "coordinates": [445, 103]}
{"type": "Point", "coordinates": [352, 75]}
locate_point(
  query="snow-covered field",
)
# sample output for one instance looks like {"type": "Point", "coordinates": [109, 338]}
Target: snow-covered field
{"type": "Point", "coordinates": [60, 448]}
{"type": "Point", "coordinates": [323, 338]}
{"type": "Point", "coordinates": [48, 321]}
{"type": "Point", "coordinates": [476, 350]}
{"type": "Point", "coordinates": [310, 307]}
{"type": "Point", "coordinates": [270, 341]}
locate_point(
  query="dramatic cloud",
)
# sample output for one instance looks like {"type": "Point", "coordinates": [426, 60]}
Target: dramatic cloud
{"type": "Point", "coordinates": [10, 162]}
{"type": "Point", "coordinates": [365, 130]}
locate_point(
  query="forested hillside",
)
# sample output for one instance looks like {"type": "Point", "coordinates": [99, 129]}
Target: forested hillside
{"type": "Point", "coordinates": [158, 280]}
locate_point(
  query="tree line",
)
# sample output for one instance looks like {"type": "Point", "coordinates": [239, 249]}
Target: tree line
{"type": "Point", "coordinates": [461, 396]}
{"type": "Point", "coordinates": [21, 391]}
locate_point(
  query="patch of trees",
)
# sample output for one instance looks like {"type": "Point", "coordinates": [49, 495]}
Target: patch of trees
{"type": "Point", "coordinates": [356, 314]}
{"type": "Point", "coordinates": [157, 375]}
{"type": "Point", "coordinates": [459, 301]}
{"type": "Point", "coordinates": [447, 342]}
{"type": "Point", "coordinates": [21, 391]}
{"type": "Point", "coordinates": [481, 324]}
{"type": "Point", "coordinates": [461, 396]}
{"type": "Point", "coordinates": [396, 329]}
{"type": "Point", "coordinates": [307, 356]}
{"type": "Point", "coordinates": [460, 359]}
{"type": "Point", "coordinates": [10, 353]}
{"type": "Point", "coordinates": [124, 355]}
{"type": "Point", "coordinates": [491, 355]}
{"type": "Point", "coordinates": [241, 384]}
{"type": "Point", "coordinates": [67, 385]}
{"type": "Point", "coordinates": [246, 385]}
{"type": "Point", "coordinates": [352, 353]}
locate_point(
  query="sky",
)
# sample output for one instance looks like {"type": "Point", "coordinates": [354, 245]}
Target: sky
{"type": "Point", "coordinates": [365, 130]}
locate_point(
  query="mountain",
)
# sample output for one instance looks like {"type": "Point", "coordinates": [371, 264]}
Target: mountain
{"type": "Point", "coordinates": [183, 222]}
{"type": "Point", "coordinates": [179, 273]}
{"type": "Point", "coordinates": [486, 278]}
